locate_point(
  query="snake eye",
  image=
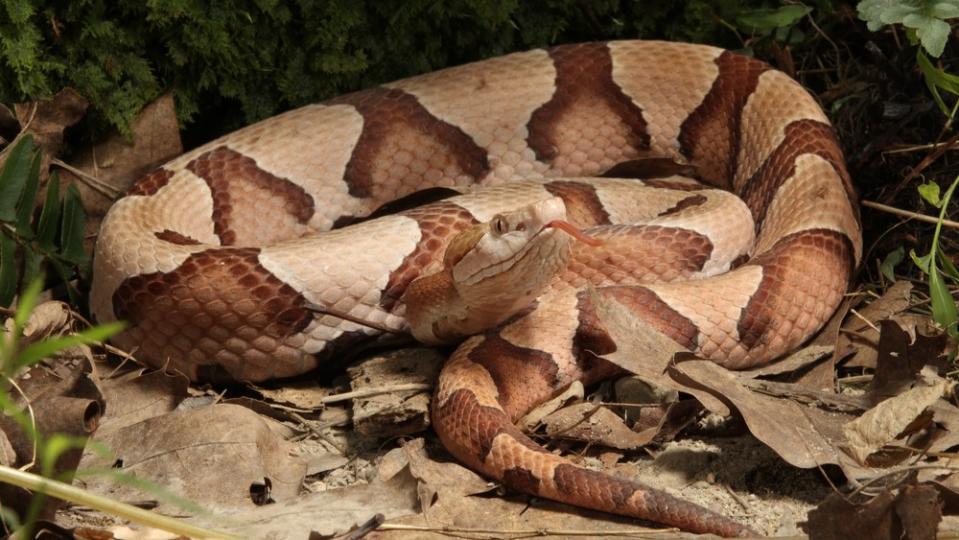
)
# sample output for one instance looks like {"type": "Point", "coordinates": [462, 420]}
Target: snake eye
{"type": "Point", "coordinates": [499, 225]}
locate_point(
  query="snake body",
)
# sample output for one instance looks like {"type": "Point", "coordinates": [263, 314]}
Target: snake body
{"type": "Point", "coordinates": [216, 257]}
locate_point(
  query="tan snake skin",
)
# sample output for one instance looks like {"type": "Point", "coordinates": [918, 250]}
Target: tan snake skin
{"type": "Point", "coordinates": [214, 257]}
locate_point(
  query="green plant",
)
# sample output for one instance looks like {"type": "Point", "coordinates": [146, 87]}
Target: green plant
{"type": "Point", "coordinates": [29, 243]}
{"type": "Point", "coordinates": [937, 264]}
{"type": "Point", "coordinates": [14, 359]}
{"type": "Point", "coordinates": [926, 23]}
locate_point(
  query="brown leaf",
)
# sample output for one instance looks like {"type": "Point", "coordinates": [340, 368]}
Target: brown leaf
{"type": "Point", "coordinates": [134, 397]}
{"type": "Point", "coordinates": [62, 400]}
{"type": "Point", "coordinates": [104, 172]}
{"type": "Point", "coordinates": [903, 350]}
{"type": "Point", "coordinates": [393, 413]}
{"type": "Point", "coordinates": [859, 332]}
{"type": "Point", "coordinates": [47, 118]}
{"type": "Point", "coordinates": [919, 510]}
{"type": "Point", "coordinates": [47, 319]}
{"type": "Point", "coordinates": [646, 352]}
{"type": "Point", "coordinates": [803, 436]}
{"type": "Point", "coordinates": [794, 362]}
{"type": "Point", "coordinates": [589, 423]}
{"type": "Point", "coordinates": [324, 513]}
{"type": "Point", "coordinates": [838, 519]}
{"type": "Point", "coordinates": [214, 455]}
{"type": "Point", "coordinates": [889, 419]}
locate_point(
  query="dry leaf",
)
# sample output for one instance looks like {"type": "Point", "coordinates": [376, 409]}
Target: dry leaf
{"type": "Point", "coordinates": [47, 319]}
{"type": "Point", "coordinates": [533, 418]}
{"type": "Point", "coordinates": [589, 423]}
{"type": "Point", "coordinates": [838, 519]}
{"type": "Point", "coordinates": [47, 118]}
{"type": "Point", "coordinates": [109, 168]}
{"type": "Point", "coordinates": [213, 455]}
{"type": "Point", "coordinates": [393, 413]}
{"type": "Point", "coordinates": [322, 514]}
{"type": "Point", "coordinates": [859, 332]}
{"type": "Point", "coordinates": [804, 436]}
{"type": "Point", "coordinates": [912, 514]}
{"type": "Point", "coordinates": [902, 353]}
{"type": "Point", "coordinates": [885, 422]}
{"type": "Point", "coordinates": [134, 397]}
{"type": "Point", "coordinates": [645, 352]}
{"type": "Point", "coordinates": [794, 362]}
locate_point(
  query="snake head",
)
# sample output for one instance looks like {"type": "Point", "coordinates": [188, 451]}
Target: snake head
{"type": "Point", "coordinates": [491, 271]}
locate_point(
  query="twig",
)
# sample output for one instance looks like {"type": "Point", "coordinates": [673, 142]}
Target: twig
{"type": "Point", "coordinates": [95, 183]}
{"type": "Point", "coordinates": [316, 431]}
{"type": "Point", "coordinates": [869, 323]}
{"type": "Point", "coordinates": [407, 387]}
{"type": "Point", "coordinates": [109, 506]}
{"type": "Point", "coordinates": [906, 213]}
{"type": "Point", "coordinates": [630, 533]}
{"type": "Point", "coordinates": [374, 523]}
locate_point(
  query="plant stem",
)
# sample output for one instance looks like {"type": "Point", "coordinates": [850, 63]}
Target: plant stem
{"type": "Point", "coordinates": [76, 495]}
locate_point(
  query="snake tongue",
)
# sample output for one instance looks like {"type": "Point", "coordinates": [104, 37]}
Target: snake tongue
{"type": "Point", "coordinates": [569, 229]}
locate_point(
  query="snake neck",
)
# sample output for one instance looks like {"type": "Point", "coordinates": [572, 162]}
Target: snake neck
{"type": "Point", "coordinates": [439, 314]}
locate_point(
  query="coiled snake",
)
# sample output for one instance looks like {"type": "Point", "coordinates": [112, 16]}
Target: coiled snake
{"type": "Point", "coordinates": [216, 257]}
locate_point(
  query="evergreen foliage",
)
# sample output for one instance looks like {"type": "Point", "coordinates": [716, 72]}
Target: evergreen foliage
{"type": "Point", "coordinates": [270, 55]}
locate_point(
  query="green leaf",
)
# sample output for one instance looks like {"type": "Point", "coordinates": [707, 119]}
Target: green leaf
{"type": "Point", "coordinates": [932, 32]}
{"type": "Point", "coordinates": [28, 301]}
{"type": "Point", "coordinates": [8, 270]}
{"type": "Point", "coordinates": [28, 198]}
{"type": "Point", "coordinates": [13, 177]}
{"type": "Point", "coordinates": [72, 228]}
{"type": "Point", "coordinates": [764, 21]}
{"type": "Point", "coordinates": [930, 193]}
{"type": "Point", "coordinates": [48, 347]}
{"type": "Point", "coordinates": [947, 266]}
{"type": "Point", "coordinates": [50, 214]}
{"type": "Point", "coordinates": [32, 261]}
{"type": "Point", "coordinates": [888, 265]}
{"type": "Point", "coordinates": [943, 304]}
{"type": "Point", "coordinates": [944, 10]}
{"type": "Point", "coordinates": [922, 262]}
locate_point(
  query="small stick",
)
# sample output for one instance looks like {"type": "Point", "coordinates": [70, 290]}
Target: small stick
{"type": "Point", "coordinates": [906, 213]}
{"type": "Point", "coordinates": [408, 387]}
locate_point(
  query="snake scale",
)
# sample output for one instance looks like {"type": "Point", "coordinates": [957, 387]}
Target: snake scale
{"type": "Point", "coordinates": [216, 257]}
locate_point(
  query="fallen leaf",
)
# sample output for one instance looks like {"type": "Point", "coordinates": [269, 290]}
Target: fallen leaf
{"type": "Point", "coordinates": [913, 513]}
{"type": "Point", "coordinates": [886, 421]}
{"type": "Point", "coordinates": [804, 436]}
{"type": "Point", "coordinates": [794, 362]}
{"type": "Point", "coordinates": [214, 455]}
{"type": "Point", "coordinates": [107, 170]}
{"type": "Point", "coordinates": [440, 481]}
{"type": "Point", "coordinates": [589, 423]}
{"type": "Point", "coordinates": [644, 351]}
{"type": "Point", "coordinates": [324, 513]}
{"type": "Point", "coordinates": [903, 350]}
{"type": "Point", "coordinates": [134, 397]}
{"type": "Point", "coordinates": [919, 510]}
{"type": "Point", "coordinates": [47, 118]}
{"type": "Point", "coordinates": [391, 413]}
{"type": "Point", "coordinates": [836, 518]}
{"type": "Point", "coordinates": [860, 333]}
{"type": "Point", "coordinates": [533, 418]}
{"type": "Point", "coordinates": [63, 400]}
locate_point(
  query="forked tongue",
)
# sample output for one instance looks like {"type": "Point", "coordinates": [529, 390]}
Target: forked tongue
{"type": "Point", "coordinates": [569, 229]}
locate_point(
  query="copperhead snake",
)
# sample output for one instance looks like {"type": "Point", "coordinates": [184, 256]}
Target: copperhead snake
{"type": "Point", "coordinates": [215, 257]}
